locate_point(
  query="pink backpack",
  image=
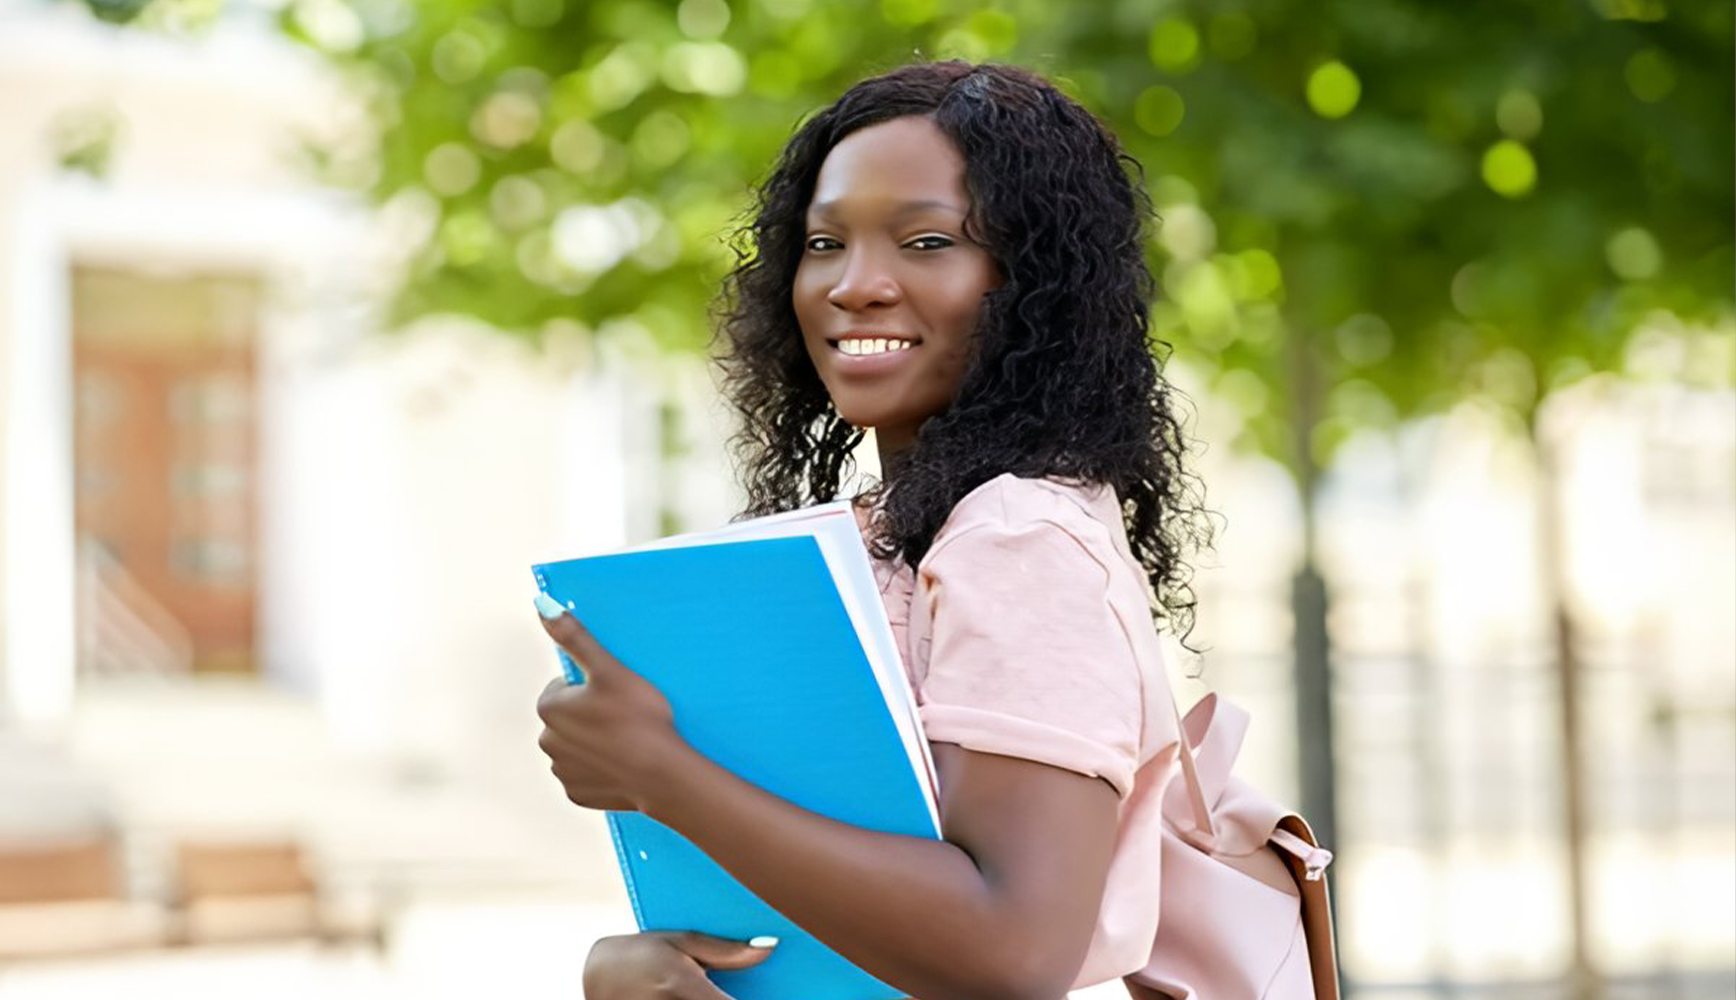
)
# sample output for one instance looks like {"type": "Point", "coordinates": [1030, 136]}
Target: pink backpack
{"type": "Point", "coordinates": [1244, 907]}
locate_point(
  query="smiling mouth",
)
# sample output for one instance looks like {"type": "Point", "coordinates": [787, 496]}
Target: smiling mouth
{"type": "Point", "coordinates": [863, 347]}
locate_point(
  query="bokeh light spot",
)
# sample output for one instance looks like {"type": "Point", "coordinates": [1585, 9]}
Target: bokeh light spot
{"type": "Point", "coordinates": [1333, 90]}
{"type": "Point", "coordinates": [1159, 110]}
{"type": "Point", "coordinates": [1468, 289]}
{"type": "Point", "coordinates": [1361, 403]}
{"type": "Point", "coordinates": [1171, 189]}
{"type": "Point", "coordinates": [451, 169]}
{"type": "Point", "coordinates": [622, 75]}
{"type": "Point", "coordinates": [1258, 275]}
{"type": "Point", "coordinates": [1187, 232]}
{"type": "Point", "coordinates": [702, 19]}
{"type": "Point", "coordinates": [508, 118]}
{"type": "Point", "coordinates": [1650, 75]}
{"type": "Point", "coordinates": [1509, 170]}
{"type": "Point", "coordinates": [704, 68]}
{"type": "Point", "coordinates": [332, 24]}
{"type": "Point", "coordinates": [1206, 302]}
{"type": "Point", "coordinates": [576, 146]}
{"type": "Point", "coordinates": [516, 202]}
{"type": "Point", "coordinates": [591, 239]}
{"type": "Point", "coordinates": [1519, 115]}
{"type": "Point", "coordinates": [467, 238]}
{"type": "Point", "coordinates": [660, 139]}
{"type": "Point", "coordinates": [1174, 45]}
{"type": "Point", "coordinates": [457, 57]}
{"type": "Point", "coordinates": [1363, 339]}
{"type": "Point", "coordinates": [960, 43]}
{"type": "Point", "coordinates": [1633, 254]}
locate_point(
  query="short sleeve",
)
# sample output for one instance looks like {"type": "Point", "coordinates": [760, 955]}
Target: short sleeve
{"type": "Point", "coordinates": [1026, 657]}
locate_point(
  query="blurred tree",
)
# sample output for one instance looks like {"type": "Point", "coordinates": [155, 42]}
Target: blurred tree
{"type": "Point", "coordinates": [1382, 206]}
{"type": "Point", "coordinates": [1372, 208]}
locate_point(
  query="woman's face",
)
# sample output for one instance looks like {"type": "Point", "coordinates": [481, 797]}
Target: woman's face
{"type": "Point", "coordinates": [888, 288]}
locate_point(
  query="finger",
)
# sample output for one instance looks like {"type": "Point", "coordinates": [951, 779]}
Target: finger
{"type": "Point", "coordinates": [722, 953]}
{"type": "Point", "coordinates": [550, 704]}
{"type": "Point", "coordinates": [573, 637]}
{"type": "Point", "coordinates": [697, 987]}
{"type": "Point", "coordinates": [564, 751]}
{"type": "Point", "coordinates": [554, 745]}
{"type": "Point", "coordinates": [701, 988]}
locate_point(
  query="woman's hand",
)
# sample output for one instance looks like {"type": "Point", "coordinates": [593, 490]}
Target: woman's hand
{"type": "Point", "coordinates": [665, 964]}
{"type": "Point", "coordinates": [611, 740]}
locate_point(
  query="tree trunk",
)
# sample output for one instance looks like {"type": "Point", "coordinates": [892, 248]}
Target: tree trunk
{"type": "Point", "coordinates": [1584, 980]}
{"type": "Point", "coordinates": [1308, 601]}
{"type": "Point", "coordinates": [1313, 673]}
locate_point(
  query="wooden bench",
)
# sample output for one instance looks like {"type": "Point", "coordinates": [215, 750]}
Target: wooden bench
{"type": "Point", "coordinates": [68, 895]}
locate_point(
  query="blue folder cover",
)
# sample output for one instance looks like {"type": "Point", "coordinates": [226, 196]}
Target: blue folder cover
{"type": "Point", "coordinates": [752, 645]}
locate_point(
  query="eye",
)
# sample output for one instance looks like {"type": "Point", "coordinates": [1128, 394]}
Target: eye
{"type": "Point", "coordinates": [817, 244]}
{"type": "Point", "coordinates": [929, 243]}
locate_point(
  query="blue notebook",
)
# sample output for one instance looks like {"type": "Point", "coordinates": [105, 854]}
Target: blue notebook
{"type": "Point", "coordinates": [770, 642]}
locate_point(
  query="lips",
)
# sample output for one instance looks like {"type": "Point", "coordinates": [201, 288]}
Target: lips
{"type": "Point", "coordinates": [870, 353]}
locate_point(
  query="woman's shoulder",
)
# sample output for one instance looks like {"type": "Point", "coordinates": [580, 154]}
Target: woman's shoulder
{"type": "Point", "coordinates": [1016, 505]}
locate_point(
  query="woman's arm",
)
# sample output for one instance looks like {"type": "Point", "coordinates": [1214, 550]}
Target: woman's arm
{"type": "Point", "coordinates": [1004, 907]}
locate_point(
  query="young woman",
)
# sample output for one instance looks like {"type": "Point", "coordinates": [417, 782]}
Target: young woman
{"type": "Point", "coordinates": [953, 256]}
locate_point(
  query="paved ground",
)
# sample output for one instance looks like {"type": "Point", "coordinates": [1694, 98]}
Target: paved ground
{"type": "Point", "coordinates": [458, 949]}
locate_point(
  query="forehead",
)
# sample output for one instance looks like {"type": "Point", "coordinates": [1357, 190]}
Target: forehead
{"type": "Point", "coordinates": [890, 164]}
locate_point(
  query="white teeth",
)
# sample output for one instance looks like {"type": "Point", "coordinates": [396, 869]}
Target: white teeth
{"type": "Point", "coordinates": [861, 347]}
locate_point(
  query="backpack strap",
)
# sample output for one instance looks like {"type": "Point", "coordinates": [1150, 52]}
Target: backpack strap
{"type": "Point", "coordinates": [1307, 864]}
{"type": "Point", "coordinates": [1210, 736]}
{"type": "Point", "coordinates": [1311, 856]}
{"type": "Point", "coordinates": [1203, 834]}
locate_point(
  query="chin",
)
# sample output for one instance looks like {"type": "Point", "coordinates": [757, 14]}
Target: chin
{"type": "Point", "coordinates": [862, 421]}
{"type": "Point", "coordinates": [857, 414]}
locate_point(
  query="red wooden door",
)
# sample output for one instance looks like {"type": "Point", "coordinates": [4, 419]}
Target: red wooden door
{"type": "Point", "coordinates": [165, 459]}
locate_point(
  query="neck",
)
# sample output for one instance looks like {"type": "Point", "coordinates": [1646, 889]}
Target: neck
{"type": "Point", "coordinates": [893, 449]}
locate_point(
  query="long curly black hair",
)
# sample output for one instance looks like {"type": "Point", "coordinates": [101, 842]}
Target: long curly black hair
{"type": "Point", "coordinates": [1066, 381]}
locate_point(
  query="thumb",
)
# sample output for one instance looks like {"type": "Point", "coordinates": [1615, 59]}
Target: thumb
{"type": "Point", "coordinates": [722, 953]}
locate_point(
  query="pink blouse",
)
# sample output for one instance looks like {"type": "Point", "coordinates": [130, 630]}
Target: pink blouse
{"type": "Point", "coordinates": [1026, 632]}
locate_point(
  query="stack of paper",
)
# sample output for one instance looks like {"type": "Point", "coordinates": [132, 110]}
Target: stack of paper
{"type": "Point", "coordinates": [770, 641]}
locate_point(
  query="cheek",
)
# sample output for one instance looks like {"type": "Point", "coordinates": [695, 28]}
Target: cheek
{"type": "Point", "coordinates": [961, 311]}
{"type": "Point", "coordinates": [966, 292]}
{"type": "Point", "coordinates": [949, 372]}
{"type": "Point", "coordinates": [807, 297]}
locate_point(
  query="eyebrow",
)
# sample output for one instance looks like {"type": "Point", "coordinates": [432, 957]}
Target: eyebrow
{"type": "Point", "coordinates": [830, 208]}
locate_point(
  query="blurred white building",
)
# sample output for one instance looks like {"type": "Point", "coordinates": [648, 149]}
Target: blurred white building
{"type": "Point", "coordinates": [264, 567]}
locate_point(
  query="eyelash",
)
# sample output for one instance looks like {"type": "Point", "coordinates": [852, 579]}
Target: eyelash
{"type": "Point", "coordinates": [941, 240]}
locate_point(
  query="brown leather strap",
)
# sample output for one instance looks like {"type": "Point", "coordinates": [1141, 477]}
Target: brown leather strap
{"type": "Point", "coordinates": [1316, 913]}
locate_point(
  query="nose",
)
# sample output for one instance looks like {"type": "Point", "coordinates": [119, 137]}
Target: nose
{"type": "Point", "coordinates": [864, 282]}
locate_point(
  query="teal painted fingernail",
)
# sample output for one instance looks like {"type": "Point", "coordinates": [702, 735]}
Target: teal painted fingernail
{"type": "Point", "coordinates": [548, 607]}
{"type": "Point", "coordinates": [763, 941]}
